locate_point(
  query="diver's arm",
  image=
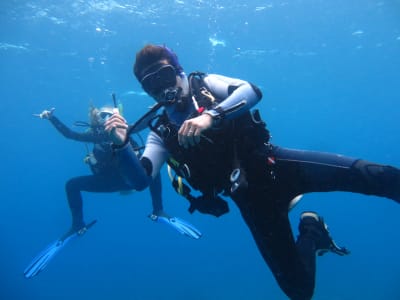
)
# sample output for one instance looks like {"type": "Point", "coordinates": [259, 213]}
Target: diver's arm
{"type": "Point", "coordinates": [74, 135]}
{"type": "Point", "coordinates": [239, 96]}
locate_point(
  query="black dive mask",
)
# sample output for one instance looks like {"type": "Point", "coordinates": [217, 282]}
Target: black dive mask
{"type": "Point", "coordinates": [157, 81]}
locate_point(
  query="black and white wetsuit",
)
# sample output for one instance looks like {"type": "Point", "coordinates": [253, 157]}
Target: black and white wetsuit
{"type": "Point", "coordinates": [264, 204]}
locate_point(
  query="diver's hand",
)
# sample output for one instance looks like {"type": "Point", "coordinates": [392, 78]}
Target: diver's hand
{"type": "Point", "coordinates": [117, 127]}
{"type": "Point", "coordinates": [46, 114]}
{"type": "Point", "coordinates": [190, 132]}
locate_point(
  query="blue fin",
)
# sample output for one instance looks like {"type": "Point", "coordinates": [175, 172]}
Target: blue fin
{"type": "Point", "coordinates": [179, 225]}
{"type": "Point", "coordinates": [43, 258]}
{"type": "Point", "coordinates": [40, 262]}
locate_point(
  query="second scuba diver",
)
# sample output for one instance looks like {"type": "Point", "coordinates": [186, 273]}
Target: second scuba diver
{"type": "Point", "coordinates": [105, 178]}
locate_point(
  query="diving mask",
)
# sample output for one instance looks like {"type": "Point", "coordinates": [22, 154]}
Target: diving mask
{"type": "Point", "coordinates": [103, 116]}
{"type": "Point", "coordinates": [163, 78]}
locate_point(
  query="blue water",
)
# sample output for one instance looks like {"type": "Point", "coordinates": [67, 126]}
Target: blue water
{"type": "Point", "coordinates": [330, 74]}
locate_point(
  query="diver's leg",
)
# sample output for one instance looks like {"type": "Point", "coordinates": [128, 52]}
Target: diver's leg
{"type": "Point", "coordinates": [90, 183]}
{"type": "Point", "coordinates": [376, 179]}
{"type": "Point", "coordinates": [155, 191]}
{"type": "Point", "coordinates": [310, 171]}
{"type": "Point", "coordinates": [270, 227]}
{"type": "Point", "coordinates": [73, 189]}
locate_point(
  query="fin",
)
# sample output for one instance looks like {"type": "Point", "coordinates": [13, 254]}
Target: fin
{"type": "Point", "coordinates": [179, 225]}
{"type": "Point", "coordinates": [43, 258]}
{"type": "Point", "coordinates": [40, 262]}
{"type": "Point", "coordinates": [336, 249]}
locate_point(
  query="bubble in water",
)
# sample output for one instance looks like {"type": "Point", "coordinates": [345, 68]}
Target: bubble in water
{"type": "Point", "coordinates": [358, 32]}
{"type": "Point", "coordinates": [215, 42]}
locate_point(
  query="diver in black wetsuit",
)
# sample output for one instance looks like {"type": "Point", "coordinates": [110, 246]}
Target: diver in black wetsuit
{"type": "Point", "coordinates": [106, 177]}
{"type": "Point", "coordinates": [209, 135]}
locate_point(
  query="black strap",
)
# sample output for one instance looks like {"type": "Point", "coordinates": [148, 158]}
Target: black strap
{"type": "Point", "coordinates": [143, 122]}
{"type": "Point", "coordinates": [140, 124]}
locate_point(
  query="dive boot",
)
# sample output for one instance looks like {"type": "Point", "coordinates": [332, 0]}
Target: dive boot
{"type": "Point", "coordinates": [313, 227]}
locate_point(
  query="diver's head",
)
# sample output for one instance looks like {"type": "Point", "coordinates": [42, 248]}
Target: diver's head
{"type": "Point", "coordinates": [98, 116]}
{"type": "Point", "coordinates": [158, 70]}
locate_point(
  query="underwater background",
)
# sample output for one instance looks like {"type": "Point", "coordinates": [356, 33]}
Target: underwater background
{"type": "Point", "coordinates": [330, 75]}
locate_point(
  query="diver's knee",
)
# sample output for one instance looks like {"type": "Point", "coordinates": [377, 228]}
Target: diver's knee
{"type": "Point", "coordinates": [70, 184]}
{"type": "Point", "coordinates": [375, 172]}
{"type": "Point", "coordinates": [379, 177]}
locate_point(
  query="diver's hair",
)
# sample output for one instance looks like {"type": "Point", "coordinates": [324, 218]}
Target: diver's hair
{"type": "Point", "coordinates": [150, 54]}
{"type": "Point", "coordinates": [94, 120]}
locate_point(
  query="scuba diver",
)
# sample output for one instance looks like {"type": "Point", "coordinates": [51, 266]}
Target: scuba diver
{"type": "Point", "coordinates": [105, 178]}
{"type": "Point", "coordinates": [209, 135]}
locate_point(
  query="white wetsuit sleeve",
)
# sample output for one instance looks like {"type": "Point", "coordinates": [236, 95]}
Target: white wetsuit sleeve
{"type": "Point", "coordinates": [238, 95]}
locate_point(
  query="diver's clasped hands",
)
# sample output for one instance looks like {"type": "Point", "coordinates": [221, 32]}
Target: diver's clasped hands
{"type": "Point", "coordinates": [191, 130]}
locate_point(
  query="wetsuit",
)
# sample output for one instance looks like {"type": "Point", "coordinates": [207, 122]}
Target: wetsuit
{"type": "Point", "coordinates": [275, 175]}
{"type": "Point", "coordinates": [106, 177]}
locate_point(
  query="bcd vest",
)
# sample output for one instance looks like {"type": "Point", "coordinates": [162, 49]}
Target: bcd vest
{"type": "Point", "coordinates": [208, 166]}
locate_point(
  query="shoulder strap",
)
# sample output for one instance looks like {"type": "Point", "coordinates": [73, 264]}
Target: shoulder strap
{"type": "Point", "coordinates": [199, 91]}
{"type": "Point", "coordinates": [144, 121]}
{"type": "Point", "coordinates": [196, 81]}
